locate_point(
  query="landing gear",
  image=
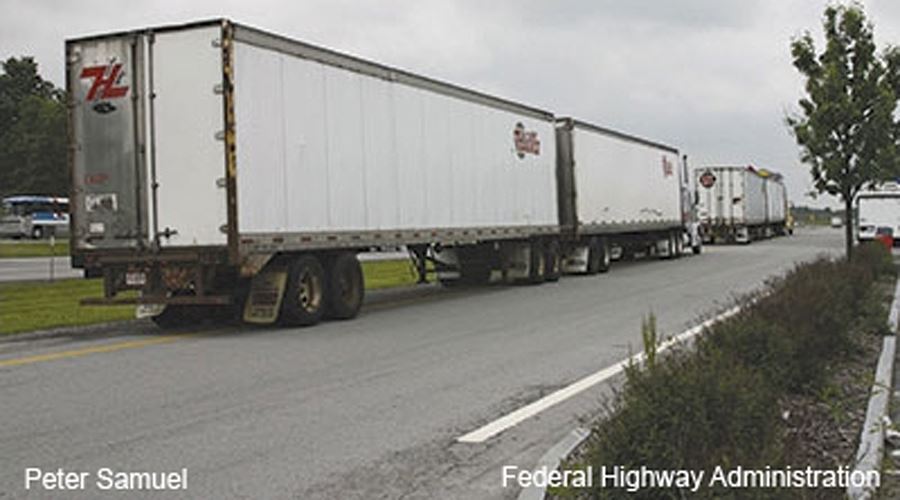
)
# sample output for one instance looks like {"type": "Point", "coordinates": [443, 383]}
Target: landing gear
{"type": "Point", "coordinates": [537, 266]}
{"type": "Point", "coordinates": [553, 261]}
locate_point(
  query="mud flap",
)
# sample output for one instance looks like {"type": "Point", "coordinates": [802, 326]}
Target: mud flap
{"type": "Point", "coordinates": [266, 293]}
{"type": "Point", "coordinates": [148, 310]}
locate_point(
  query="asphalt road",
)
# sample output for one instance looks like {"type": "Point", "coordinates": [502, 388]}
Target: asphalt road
{"type": "Point", "coordinates": [369, 408]}
{"type": "Point", "coordinates": [37, 268]}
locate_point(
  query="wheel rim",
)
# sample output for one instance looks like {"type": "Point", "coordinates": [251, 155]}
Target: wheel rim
{"type": "Point", "coordinates": [309, 293]}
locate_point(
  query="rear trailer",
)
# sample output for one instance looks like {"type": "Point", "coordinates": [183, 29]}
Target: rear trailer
{"type": "Point", "coordinates": [217, 165]}
{"type": "Point", "coordinates": [619, 195]}
{"type": "Point", "coordinates": [739, 204]}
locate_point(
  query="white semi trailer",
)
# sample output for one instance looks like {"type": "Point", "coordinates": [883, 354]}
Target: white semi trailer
{"type": "Point", "coordinates": [619, 192]}
{"type": "Point", "coordinates": [740, 204]}
{"type": "Point", "coordinates": [217, 165]}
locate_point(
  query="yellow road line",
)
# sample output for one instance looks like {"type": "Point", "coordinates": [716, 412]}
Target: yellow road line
{"type": "Point", "coordinates": [132, 344]}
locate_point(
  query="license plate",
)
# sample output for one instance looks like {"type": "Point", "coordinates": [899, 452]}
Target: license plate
{"type": "Point", "coordinates": [135, 278]}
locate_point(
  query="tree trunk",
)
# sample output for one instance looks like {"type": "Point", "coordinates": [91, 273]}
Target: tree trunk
{"type": "Point", "coordinates": [848, 225]}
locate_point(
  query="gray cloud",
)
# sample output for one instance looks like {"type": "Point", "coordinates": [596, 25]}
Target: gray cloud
{"type": "Point", "coordinates": [711, 77]}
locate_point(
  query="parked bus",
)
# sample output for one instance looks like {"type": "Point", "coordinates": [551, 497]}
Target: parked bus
{"type": "Point", "coordinates": [34, 217]}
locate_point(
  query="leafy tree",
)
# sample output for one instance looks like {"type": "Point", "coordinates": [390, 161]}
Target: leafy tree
{"type": "Point", "coordinates": [32, 131]}
{"type": "Point", "coordinates": [846, 129]}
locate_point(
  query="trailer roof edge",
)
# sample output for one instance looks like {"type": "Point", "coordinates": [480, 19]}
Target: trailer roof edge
{"type": "Point", "coordinates": [616, 133]}
{"type": "Point", "coordinates": [287, 45]}
{"type": "Point", "coordinates": [155, 29]}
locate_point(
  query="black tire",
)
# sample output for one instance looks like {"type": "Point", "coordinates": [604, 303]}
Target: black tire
{"type": "Point", "coordinates": [37, 232]}
{"type": "Point", "coordinates": [553, 261]}
{"type": "Point", "coordinates": [598, 256]}
{"type": "Point", "coordinates": [172, 316]}
{"type": "Point", "coordinates": [346, 289]}
{"type": "Point", "coordinates": [697, 249]}
{"type": "Point", "coordinates": [679, 245]}
{"type": "Point", "coordinates": [537, 265]}
{"type": "Point", "coordinates": [604, 254]}
{"type": "Point", "coordinates": [304, 296]}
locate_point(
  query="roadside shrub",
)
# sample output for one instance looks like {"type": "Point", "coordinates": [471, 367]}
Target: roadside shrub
{"type": "Point", "coordinates": [689, 412]}
{"type": "Point", "coordinates": [799, 326]}
{"type": "Point", "coordinates": [875, 257]}
{"type": "Point", "coordinates": [717, 405]}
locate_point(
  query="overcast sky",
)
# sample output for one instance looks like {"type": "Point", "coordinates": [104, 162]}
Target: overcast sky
{"type": "Point", "coordinates": [711, 77]}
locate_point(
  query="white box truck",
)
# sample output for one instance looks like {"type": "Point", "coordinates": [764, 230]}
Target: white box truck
{"type": "Point", "coordinates": [214, 165]}
{"type": "Point", "coordinates": [740, 204]}
{"type": "Point", "coordinates": [877, 209]}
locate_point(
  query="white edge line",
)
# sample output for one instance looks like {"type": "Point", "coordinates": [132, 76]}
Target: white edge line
{"type": "Point", "coordinates": [491, 429]}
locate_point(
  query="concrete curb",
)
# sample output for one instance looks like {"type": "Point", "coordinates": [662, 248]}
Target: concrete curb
{"type": "Point", "coordinates": [871, 442]}
{"type": "Point", "coordinates": [553, 458]}
{"type": "Point", "coordinates": [555, 455]}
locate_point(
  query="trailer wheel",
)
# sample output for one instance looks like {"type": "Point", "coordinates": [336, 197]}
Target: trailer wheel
{"type": "Point", "coordinates": [605, 256]}
{"type": "Point", "coordinates": [37, 232]}
{"type": "Point", "coordinates": [697, 248]}
{"type": "Point", "coordinates": [679, 244]}
{"type": "Point", "coordinates": [537, 264]}
{"type": "Point", "coordinates": [346, 288]}
{"type": "Point", "coordinates": [553, 264]}
{"type": "Point", "coordinates": [598, 256]}
{"type": "Point", "coordinates": [669, 247]}
{"type": "Point", "coordinates": [172, 316]}
{"type": "Point", "coordinates": [304, 296]}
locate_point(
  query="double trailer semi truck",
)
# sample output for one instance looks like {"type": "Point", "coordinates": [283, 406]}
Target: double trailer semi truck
{"type": "Point", "coordinates": [215, 165]}
{"type": "Point", "coordinates": [740, 204]}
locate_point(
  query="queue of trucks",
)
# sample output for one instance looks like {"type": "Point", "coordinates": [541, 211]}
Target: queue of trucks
{"type": "Point", "coordinates": [740, 204]}
{"type": "Point", "coordinates": [215, 165]}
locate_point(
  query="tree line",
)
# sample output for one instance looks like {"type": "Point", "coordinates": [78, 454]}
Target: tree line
{"type": "Point", "coordinates": [32, 131]}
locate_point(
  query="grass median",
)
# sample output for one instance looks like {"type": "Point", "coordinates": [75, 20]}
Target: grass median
{"type": "Point", "coordinates": [36, 306]}
{"type": "Point", "coordinates": [39, 305]}
{"type": "Point", "coordinates": [40, 248]}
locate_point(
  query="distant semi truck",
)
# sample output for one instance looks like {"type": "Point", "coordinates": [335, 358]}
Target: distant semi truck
{"type": "Point", "coordinates": [740, 204]}
{"type": "Point", "coordinates": [216, 165]}
{"type": "Point", "coordinates": [877, 209]}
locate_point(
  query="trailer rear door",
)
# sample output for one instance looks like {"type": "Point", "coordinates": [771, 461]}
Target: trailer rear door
{"type": "Point", "coordinates": [147, 122]}
{"type": "Point", "coordinates": [188, 130]}
{"type": "Point", "coordinates": [107, 168]}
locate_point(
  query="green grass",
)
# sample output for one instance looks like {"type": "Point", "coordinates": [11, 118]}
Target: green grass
{"type": "Point", "coordinates": [40, 248]}
{"type": "Point", "coordinates": [36, 306]}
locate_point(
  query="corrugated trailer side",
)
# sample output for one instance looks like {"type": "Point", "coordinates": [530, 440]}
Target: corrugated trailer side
{"type": "Point", "coordinates": [336, 151]}
{"type": "Point", "coordinates": [618, 191]}
{"type": "Point", "coordinates": [215, 164]}
{"type": "Point", "coordinates": [776, 198]}
{"type": "Point", "coordinates": [754, 198]}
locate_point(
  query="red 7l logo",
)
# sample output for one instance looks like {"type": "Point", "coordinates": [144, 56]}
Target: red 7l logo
{"type": "Point", "coordinates": [105, 79]}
